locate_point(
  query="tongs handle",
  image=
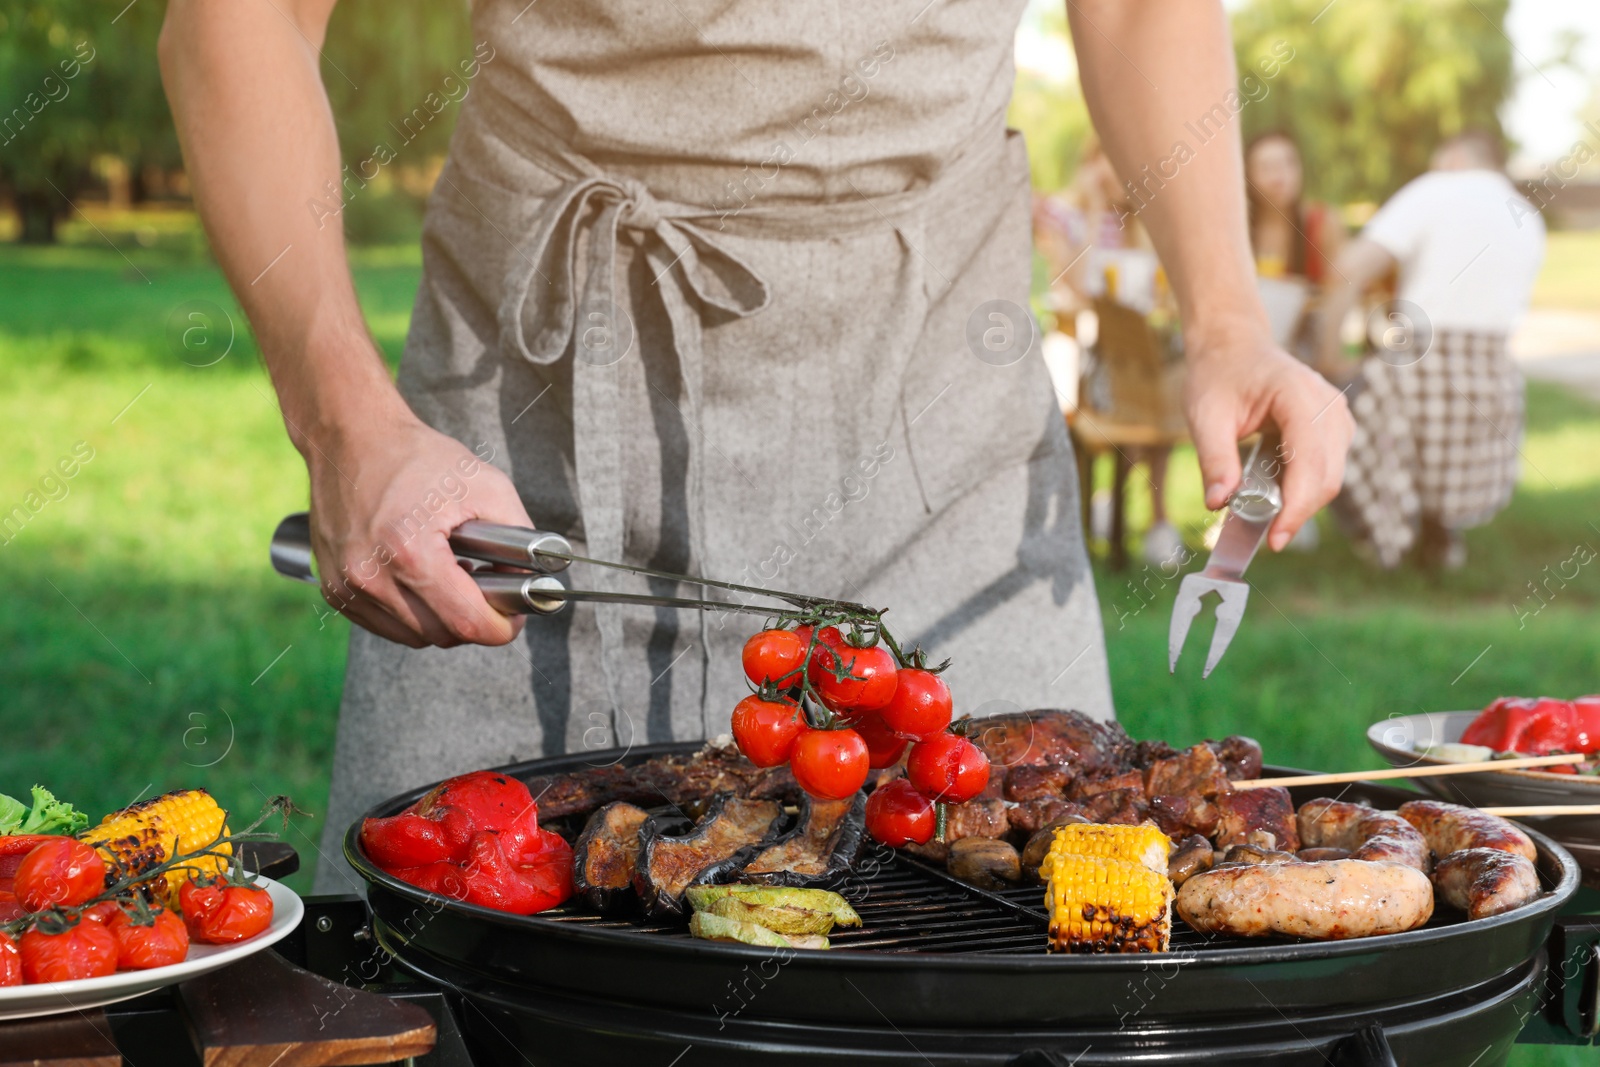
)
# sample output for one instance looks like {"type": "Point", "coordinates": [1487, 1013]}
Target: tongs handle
{"type": "Point", "coordinates": [512, 546]}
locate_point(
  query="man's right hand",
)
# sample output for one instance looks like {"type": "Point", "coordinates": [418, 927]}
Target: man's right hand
{"type": "Point", "coordinates": [384, 499]}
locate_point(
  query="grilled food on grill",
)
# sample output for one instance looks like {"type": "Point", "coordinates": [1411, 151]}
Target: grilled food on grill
{"type": "Point", "coordinates": [984, 862]}
{"type": "Point", "coordinates": [782, 909]}
{"type": "Point", "coordinates": [606, 857]}
{"type": "Point", "coordinates": [1107, 889]}
{"type": "Point", "coordinates": [730, 834]}
{"type": "Point", "coordinates": [1327, 901]}
{"type": "Point", "coordinates": [146, 834]}
{"type": "Point", "coordinates": [679, 779]}
{"type": "Point", "coordinates": [819, 850]}
{"type": "Point", "coordinates": [1485, 881]}
{"type": "Point", "coordinates": [709, 927]}
{"type": "Point", "coordinates": [1189, 857]}
{"type": "Point", "coordinates": [1450, 827]}
{"type": "Point", "coordinates": [1247, 811]}
{"type": "Point", "coordinates": [1366, 834]}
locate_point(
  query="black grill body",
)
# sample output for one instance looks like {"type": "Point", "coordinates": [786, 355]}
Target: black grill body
{"type": "Point", "coordinates": [943, 973]}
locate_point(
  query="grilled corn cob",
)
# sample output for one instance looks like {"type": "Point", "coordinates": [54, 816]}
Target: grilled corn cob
{"type": "Point", "coordinates": [143, 835]}
{"type": "Point", "coordinates": [1107, 889]}
{"type": "Point", "coordinates": [1145, 845]}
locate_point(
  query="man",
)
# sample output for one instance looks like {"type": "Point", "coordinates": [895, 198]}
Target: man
{"type": "Point", "coordinates": [1438, 406]}
{"type": "Point", "coordinates": [735, 288]}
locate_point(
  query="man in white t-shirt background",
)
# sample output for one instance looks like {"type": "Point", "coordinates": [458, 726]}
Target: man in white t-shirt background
{"type": "Point", "coordinates": [1438, 402]}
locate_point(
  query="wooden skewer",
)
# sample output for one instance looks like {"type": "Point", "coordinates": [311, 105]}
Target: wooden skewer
{"type": "Point", "coordinates": [1545, 809]}
{"type": "Point", "coordinates": [1421, 770]}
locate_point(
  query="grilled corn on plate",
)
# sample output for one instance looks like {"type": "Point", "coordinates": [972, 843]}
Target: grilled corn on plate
{"type": "Point", "coordinates": [141, 836]}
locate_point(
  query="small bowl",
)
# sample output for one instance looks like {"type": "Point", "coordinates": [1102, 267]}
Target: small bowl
{"type": "Point", "coordinates": [1400, 738]}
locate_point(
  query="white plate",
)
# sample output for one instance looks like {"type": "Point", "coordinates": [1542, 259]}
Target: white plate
{"type": "Point", "coordinates": [51, 998]}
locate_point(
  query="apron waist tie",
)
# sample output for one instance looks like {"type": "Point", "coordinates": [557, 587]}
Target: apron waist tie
{"type": "Point", "coordinates": [584, 221]}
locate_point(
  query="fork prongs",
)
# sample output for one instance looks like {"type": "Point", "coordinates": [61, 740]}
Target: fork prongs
{"type": "Point", "coordinates": [1187, 606]}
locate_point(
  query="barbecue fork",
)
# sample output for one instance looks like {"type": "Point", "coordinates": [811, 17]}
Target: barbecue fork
{"type": "Point", "coordinates": [539, 555]}
{"type": "Point", "coordinates": [1250, 512]}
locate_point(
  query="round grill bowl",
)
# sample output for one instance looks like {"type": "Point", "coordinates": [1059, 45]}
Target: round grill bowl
{"type": "Point", "coordinates": [562, 954]}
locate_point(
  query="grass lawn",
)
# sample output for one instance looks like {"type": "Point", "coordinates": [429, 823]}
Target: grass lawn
{"type": "Point", "coordinates": [144, 646]}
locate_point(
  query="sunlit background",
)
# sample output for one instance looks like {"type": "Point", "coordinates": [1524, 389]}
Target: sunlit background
{"type": "Point", "coordinates": [144, 643]}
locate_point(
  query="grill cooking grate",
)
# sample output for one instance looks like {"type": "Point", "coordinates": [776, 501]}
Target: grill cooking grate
{"type": "Point", "coordinates": [909, 906]}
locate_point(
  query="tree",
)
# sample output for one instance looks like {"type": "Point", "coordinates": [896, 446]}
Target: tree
{"type": "Point", "coordinates": [1051, 114]}
{"type": "Point", "coordinates": [1375, 85]}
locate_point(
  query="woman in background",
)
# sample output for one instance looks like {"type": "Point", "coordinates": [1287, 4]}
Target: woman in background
{"type": "Point", "coordinates": [1294, 241]}
{"type": "Point", "coordinates": [1292, 238]}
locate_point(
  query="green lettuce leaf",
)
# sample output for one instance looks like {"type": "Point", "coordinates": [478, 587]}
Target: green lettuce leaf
{"type": "Point", "coordinates": [48, 815]}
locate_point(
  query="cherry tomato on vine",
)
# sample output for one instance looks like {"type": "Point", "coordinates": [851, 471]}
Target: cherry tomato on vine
{"type": "Point", "coordinates": [921, 705]}
{"type": "Point", "coordinates": [160, 943]}
{"type": "Point", "coordinates": [101, 912]}
{"type": "Point", "coordinates": [64, 872]}
{"type": "Point", "coordinates": [217, 913]}
{"type": "Point", "coordinates": [765, 730]}
{"type": "Point", "coordinates": [84, 950]}
{"type": "Point", "coordinates": [10, 961]}
{"type": "Point", "coordinates": [829, 764]}
{"type": "Point", "coordinates": [872, 674]}
{"type": "Point", "coordinates": [884, 746]}
{"type": "Point", "coordinates": [898, 815]}
{"type": "Point", "coordinates": [947, 768]}
{"type": "Point", "coordinates": [774, 656]}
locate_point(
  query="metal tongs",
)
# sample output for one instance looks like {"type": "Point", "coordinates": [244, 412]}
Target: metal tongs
{"type": "Point", "coordinates": [1250, 512]}
{"type": "Point", "coordinates": [480, 545]}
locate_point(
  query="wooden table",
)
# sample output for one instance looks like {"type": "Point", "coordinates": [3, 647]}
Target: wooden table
{"type": "Point", "coordinates": [1095, 435]}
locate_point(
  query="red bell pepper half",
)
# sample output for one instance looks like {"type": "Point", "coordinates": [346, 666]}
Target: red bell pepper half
{"type": "Point", "coordinates": [1537, 726]}
{"type": "Point", "coordinates": [475, 838]}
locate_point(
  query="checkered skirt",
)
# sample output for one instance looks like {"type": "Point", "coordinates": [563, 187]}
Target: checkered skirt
{"type": "Point", "coordinates": [1437, 438]}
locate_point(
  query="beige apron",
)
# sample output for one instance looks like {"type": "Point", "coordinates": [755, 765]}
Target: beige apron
{"type": "Point", "coordinates": [734, 289]}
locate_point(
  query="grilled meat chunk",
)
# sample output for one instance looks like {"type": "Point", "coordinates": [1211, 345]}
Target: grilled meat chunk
{"type": "Point", "coordinates": [1243, 810]}
{"type": "Point", "coordinates": [1180, 816]}
{"type": "Point", "coordinates": [819, 850]}
{"type": "Point", "coordinates": [984, 862]}
{"type": "Point", "coordinates": [1366, 834]}
{"type": "Point", "coordinates": [1189, 857]}
{"type": "Point", "coordinates": [1083, 788]}
{"type": "Point", "coordinates": [1032, 781]}
{"type": "Point", "coordinates": [1030, 816]}
{"type": "Point", "coordinates": [1196, 772]}
{"type": "Point", "coordinates": [1055, 739]}
{"type": "Point", "coordinates": [1255, 853]}
{"type": "Point", "coordinates": [680, 780]}
{"type": "Point", "coordinates": [1327, 901]}
{"type": "Point", "coordinates": [977, 818]}
{"type": "Point", "coordinates": [1240, 756]}
{"type": "Point", "coordinates": [1120, 806]}
{"type": "Point", "coordinates": [731, 833]}
{"type": "Point", "coordinates": [1449, 827]}
{"type": "Point", "coordinates": [607, 855]}
{"type": "Point", "coordinates": [1485, 881]}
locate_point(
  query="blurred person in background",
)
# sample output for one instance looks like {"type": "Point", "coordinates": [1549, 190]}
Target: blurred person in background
{"type": "Point", "coordinates": [681, 283]}
{"type": "Point", "coordinates": [1294, 241]}
{"type": "Point", "coordinates": [1094, 247]}
{"type": "Point", "coordinates": [1438, 404]}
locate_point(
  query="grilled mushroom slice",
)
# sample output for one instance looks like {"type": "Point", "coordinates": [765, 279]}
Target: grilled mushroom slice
{"type": "Point", "coordinates": [607, 855]}
{"type": "Point", "coordinates": [984, 862]}
{"type": "Point", "coordinates": [727, 837]}
{"type": "Point", "coordinates": [821, 848]}
{"type": "Point", "coordinates": [1191, 856]}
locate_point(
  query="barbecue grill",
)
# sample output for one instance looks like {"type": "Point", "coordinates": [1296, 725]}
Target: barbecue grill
{"type": "Point", "coordinates": [941, 972]}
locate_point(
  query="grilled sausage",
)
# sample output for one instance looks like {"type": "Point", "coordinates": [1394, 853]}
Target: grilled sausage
{"type": "Point", "coordinates": [1450, 827]}
{"type": "Point", "coordinates": [1485, 881]}
{"type": "Point", "coordinates": [1328, 901]}
{"type": "Point", "coordinates": [1364, 833]}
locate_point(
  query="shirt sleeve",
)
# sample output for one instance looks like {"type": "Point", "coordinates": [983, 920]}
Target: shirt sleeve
{"type": "Point", "coordinates": [1400, 224]}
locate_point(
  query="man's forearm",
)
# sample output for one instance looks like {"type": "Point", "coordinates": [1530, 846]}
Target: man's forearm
{"type": "Point", "coordinates": [1148, 69]}
{"type": "Point", "coordinates": [259, 144]}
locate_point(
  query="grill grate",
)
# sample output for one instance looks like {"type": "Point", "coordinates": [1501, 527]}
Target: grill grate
{"type": "Point", "coordinates": [909, 906]}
